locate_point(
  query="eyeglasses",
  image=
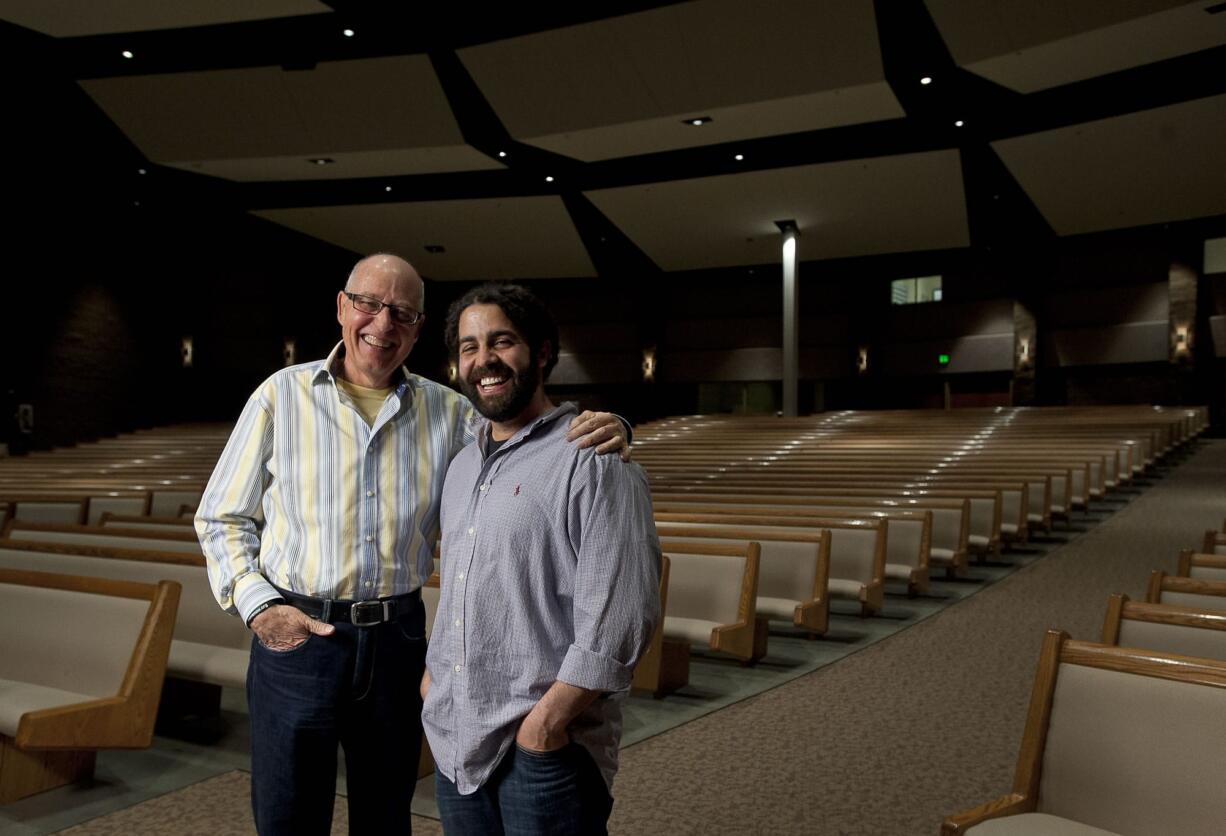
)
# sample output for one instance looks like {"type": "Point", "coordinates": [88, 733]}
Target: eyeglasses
{"type": "Point", "coordinates": [372, 306]}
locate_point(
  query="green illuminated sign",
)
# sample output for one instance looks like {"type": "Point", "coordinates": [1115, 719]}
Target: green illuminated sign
{"type": "Point", "coordinates": [943, 359]}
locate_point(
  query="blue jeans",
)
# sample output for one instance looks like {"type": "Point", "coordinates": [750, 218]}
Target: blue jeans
{"type": "Point", "coordinates": [530, 794]}
{"type": "Point", "coordinates": [358, 687]}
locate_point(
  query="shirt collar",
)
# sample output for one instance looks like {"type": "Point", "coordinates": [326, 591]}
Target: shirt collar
{"type": "Point", "coordinates": [538, 423]}
{"type": "Point", "coordinates": [401, 380]}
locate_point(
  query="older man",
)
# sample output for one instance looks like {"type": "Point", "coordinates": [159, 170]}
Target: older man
{"type": "Point", "coordinates": [550, 578]}
{"type": "Point", "coordinates": [318, 526]}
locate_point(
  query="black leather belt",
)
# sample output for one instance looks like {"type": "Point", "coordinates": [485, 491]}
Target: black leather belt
{"type": "Point", "coordinates": [360, 613]}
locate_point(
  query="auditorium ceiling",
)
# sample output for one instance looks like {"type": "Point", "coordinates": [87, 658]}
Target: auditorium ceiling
{"type": "Point", "coordinates": [605, 138]}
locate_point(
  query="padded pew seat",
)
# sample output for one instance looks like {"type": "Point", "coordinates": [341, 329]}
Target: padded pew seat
{"type": "Point", "coordinates": [1037, 824]}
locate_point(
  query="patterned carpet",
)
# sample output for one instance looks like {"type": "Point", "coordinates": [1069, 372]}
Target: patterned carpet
{"type": "Point", "coordinates": [886, 741]}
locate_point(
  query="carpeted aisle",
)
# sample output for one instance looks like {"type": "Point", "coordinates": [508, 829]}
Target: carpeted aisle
{"type": "Point", "coordinates": [922, 724]}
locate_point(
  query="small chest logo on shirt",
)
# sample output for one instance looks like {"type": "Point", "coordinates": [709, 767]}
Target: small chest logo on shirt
{"type": "Point", "coordinates": [516, 491]}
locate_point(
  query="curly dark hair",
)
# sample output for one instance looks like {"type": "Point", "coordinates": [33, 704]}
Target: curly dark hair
{"type": "Point", "coordinates": [527, 313]}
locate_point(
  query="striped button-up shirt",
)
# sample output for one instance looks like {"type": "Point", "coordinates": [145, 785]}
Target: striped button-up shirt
{"type": "Point", "coordinates": [309, 497]}
{"type": "Point", "coordinates": [550, 572]}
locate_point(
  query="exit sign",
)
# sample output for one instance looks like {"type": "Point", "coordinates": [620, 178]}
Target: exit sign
{"type": "Point", "coordinates": [943, 359]}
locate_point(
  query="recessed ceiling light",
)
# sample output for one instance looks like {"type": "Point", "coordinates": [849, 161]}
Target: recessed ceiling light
{"type": "Point", "coordinates": [697, 120]}
{"type": "Point", "coordinates": [321, 160]}
{"type": "Point", "coordinates": [739, 157]}
{"type": "Point", "coordinates": [958, 124]}
{"type": "Point", "coordinates": [140, 171]}
{"type": "Point", "coordinates": [502, 153]}
{"type": "Point", "coordinates": [127, 53]}
{"type": "Point", "coordinates": [548, 179]}
{"type": "Point", "coordinates": [926, 80]}
{"type": "Point", "coordinates": [348, 33]}
{"type": "Point", "coordinates": [387, 188]}
{"type": "Point", "coordinates": [435, 248]}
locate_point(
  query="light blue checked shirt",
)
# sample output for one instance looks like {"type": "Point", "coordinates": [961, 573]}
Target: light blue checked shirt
{"type": "Point", "coordinates": [550, 572]}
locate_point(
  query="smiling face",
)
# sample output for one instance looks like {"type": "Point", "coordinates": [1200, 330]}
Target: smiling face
{"type": "Point", "coordinates": [498, 370]}
{"type": "Point", "coordinates": [376, 345]}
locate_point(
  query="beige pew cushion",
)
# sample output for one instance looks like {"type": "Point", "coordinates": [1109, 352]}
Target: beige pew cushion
{"type": "Point", "coordinates": [1135, 754]}
{"type": "Point", "coordinates": [1207, 573]}
{"type": "Point", "coordinates": [705, 588]}
{"type": "Point", "coordinates": [209, 663]}
{"type": "Point", "coordinates": [694, 630]}
{"type": "Point", "coordinates": [1036, 824]}
{"type": "Point", "coordinates": [1189, 599]}
{"type": "Point", "coordinates": [16, 698]}
{"type": "Point", "coordinates": [1173, 638]}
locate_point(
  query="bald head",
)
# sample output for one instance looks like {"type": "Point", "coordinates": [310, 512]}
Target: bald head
{"type": "Point", "coordinates": [392, 268]}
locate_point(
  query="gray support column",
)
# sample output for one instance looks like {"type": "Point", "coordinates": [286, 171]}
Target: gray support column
{"type": "Point", "coordinates": [790, 337]}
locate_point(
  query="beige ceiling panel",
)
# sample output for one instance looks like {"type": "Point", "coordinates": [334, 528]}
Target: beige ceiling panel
{"type": "Point", "coordinates": [687, 59]}
{"type": "Point", "coordinates": [69, 18]}
{"type": "Point", "coordinates": [1150, 167]}
{"type": "Point", "coordinates": [367, 105]}
{"type": "Point", "coordinates": [824, 109]}
{"type": "Point", "coordinates": [352, 164]}
{"type": "Point", "coordinates": [522, 237]}
{"type": "Point", "coordinates": [859, 207]}
{"type": "Point", "coordinates": [1028, 46]}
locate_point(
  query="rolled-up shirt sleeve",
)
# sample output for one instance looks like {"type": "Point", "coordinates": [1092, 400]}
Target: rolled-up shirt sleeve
{"type": "Point", "coordinates": [230, 517]}
{"type": "Point", "coordinates": [616, 604]}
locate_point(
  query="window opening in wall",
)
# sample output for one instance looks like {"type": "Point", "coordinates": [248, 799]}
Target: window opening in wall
{"type": "Point", "coordinates": [1215, 255]}
{"type": "Point", "coordinates": [915, 291]}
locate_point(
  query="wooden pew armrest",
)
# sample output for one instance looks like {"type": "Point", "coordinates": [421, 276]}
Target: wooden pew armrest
{"type": "Point", "coordinates": [734, 639]}
{"type": "Point", "coordinates": [1006, 805]}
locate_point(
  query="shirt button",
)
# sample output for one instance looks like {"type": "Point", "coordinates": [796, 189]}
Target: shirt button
{"type": "Point", "coordinates": [457, 622]}
{"type": "Point", "coordinates": [457, 668]}
{"type": "Point", "coordinates": [370, 538]}
{"type": "Point", "coordinates": [471, 530]}
{"type": "Point", "coordinates": [369, 584]}
{"type": "Point", "coordinates": [370, 493]}
{"type": "Point", "coordinates": [461, 576]}
{"type": "Point", "coordinates": [483, 487]}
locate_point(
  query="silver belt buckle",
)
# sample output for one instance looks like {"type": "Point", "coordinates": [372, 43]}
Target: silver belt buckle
{"type": "Point", "coordinates": [379, 610]}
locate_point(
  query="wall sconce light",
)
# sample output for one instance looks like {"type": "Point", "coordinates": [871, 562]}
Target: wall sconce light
{"type": "Point", "coordinates": [649, 365]}
{"type": "Point", "coordinates": [1182, 341]}
{"type": "Point", "coordinates": [862, 360]}
{"type": "Point", "coordinates": [289, 351]}
{"type": "Point", "coordinates": [452, 373]}
{"type": "Point", "coordinates": [186, 351]}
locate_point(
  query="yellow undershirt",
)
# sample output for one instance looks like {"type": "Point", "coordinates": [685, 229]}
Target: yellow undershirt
{"type": "Point", "coordinates": [367, 401]}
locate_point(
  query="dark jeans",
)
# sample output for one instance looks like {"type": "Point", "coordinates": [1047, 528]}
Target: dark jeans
{"type": "Point", "coordinates": [530, 794]}
{"type": "Point", "coordinates": [358, 687]}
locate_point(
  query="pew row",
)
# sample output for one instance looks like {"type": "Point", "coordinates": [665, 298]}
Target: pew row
{"type": "Point", "coordinates": [712, 594]}
{"type": "Point", "coordinates": [1214, 543]}
{"type": "Point", "coordinates": [1165, 628]}
{"type": "Point", "coordinates": [1123, 740]}
{"type": "Point", "coordinates": [1207, 567]}
{"type": "Point", "coordinates": [1185, 592]}
{"type": "Point", "coordinates": [180, 540]}
{"type": "Point", "coordinates": [856, 566]}
{"type": "Point", "coordinates": [210, 646]}
{"type": "Point", "coordinates": [81, 667]}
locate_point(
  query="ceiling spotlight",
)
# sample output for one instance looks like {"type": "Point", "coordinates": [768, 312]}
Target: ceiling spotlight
{"type": "Point", "coordinates": [549, 179]}
{"type": "Point", "coordinates": [348, 33]}
{"type": "Point", "coordinates": [502, 153]}
{"type": "Point", "coordinates": [958, 124]}
{"type": "Point", "coordinates": [127, 53]}
{"type": "Point", "coordinates": [739, 157]}
{"type": "Point", "coordinates": [321, 160]}
{"type": "Point", "coordinates": [926, 80]}
{"type": "Point", "coordinates": [697, 120]}
{"type": "Point", "coordinates": [141, 171]}
{"type": "Point", "coordinates": [387, 188]}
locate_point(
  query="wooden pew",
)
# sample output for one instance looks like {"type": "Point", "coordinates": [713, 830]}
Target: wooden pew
{"type": "Point", "coordinates": [1124, 740]}
{"type": "Point", "coordinates": [948, 540]}
{"type": "Point", "coordinates": [1165, 628]}
{"type": "Point", "coordinates": [1208, 567]}
{"type": "Point", "coordinates": [210, 646]}
{"type": "Point", "coordinates": [1185, 592]}
{"type": "Point", "coordinates": [181, 540]}
{"type": "Point", "coordinates": [712, 590]}
{"type": "Point", "coordinates": [661, 669]}
{"type": "Point", "coordinates": [150, 523]}
{"type": "Point", "coordinates": [907, 534]}
{"type": "Point", "coordinates": [1214, 543]}
{"type": "Point", "coordinates": [81, 662]}
{"type": "Point", "coordinates": [793, 575]}
{"type": "Point", "coordinates": [57, 508]}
